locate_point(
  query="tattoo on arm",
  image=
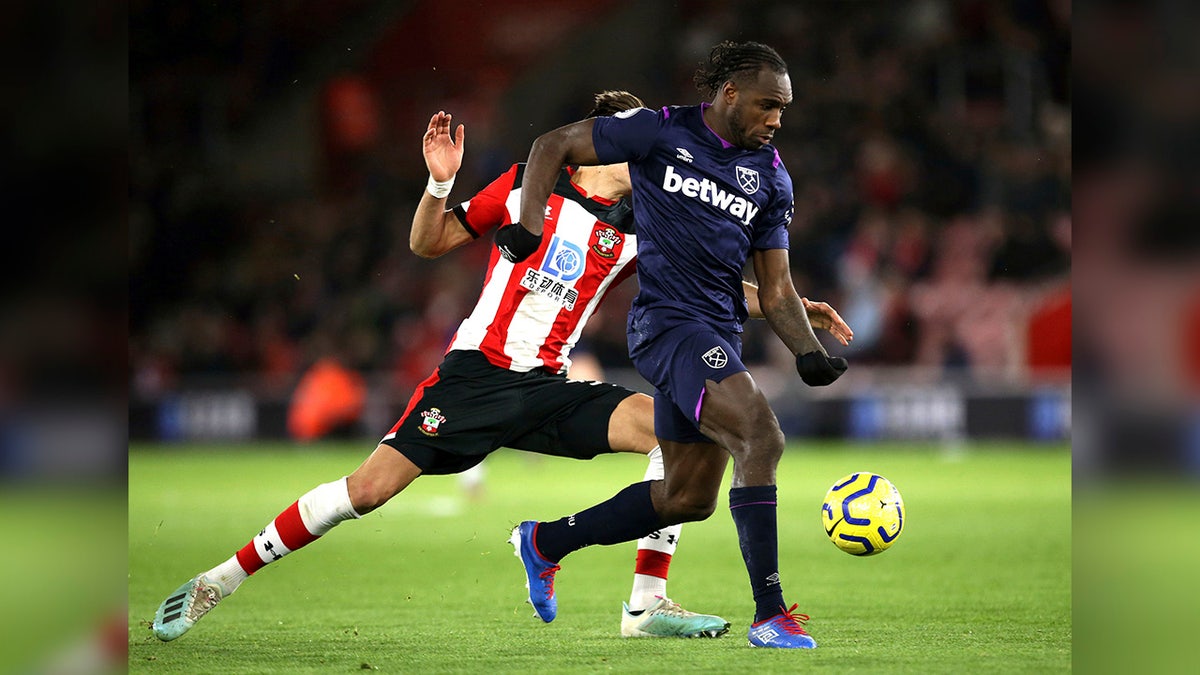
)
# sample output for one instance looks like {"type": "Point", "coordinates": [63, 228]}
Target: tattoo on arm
{"type": "Point", "coordinates": [788, 319]}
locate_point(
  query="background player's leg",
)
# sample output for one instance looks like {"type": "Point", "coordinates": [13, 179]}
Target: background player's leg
{"type": "Point", "coordinates": [631, 428]}
{"type": "Point", "coordinates": [380, 477]}
{"type": "Point", "coordinates": [650, 613]}
{"type": "Point", "coordinates": [654, 552]}
{"type": "Point", "coordinates": [688, 491]}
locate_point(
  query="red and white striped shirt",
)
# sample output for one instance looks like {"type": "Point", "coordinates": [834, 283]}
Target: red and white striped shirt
{"type": "Point", "coordinates": [530, 315]}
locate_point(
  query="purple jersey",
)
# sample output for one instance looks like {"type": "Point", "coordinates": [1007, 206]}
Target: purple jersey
{"type": "Point", "coordinates": [700, 204]}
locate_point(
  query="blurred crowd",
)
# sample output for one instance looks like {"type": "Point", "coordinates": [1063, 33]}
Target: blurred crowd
{"type": "Point", "coordinates": [929, 141]}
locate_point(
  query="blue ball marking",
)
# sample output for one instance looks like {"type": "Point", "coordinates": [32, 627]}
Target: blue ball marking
{"type": "Point", "coordinates": [851, 479]}
{"type": "Point", "coordinates": [883, 534]}
{"type": "Point", "coordinates": [846, 502]}
{"type": "Point", "coordinates": [861, 540]}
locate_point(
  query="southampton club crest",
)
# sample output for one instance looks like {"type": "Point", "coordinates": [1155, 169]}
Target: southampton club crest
{"type": "Point", "coordinates": [748, 179]}
{"type": "Point", "coordinates": [605, 241]}
{"type": "Point", "coordinates": [715, 358]}
{"type": "Point", "coordinates": [430, 421]}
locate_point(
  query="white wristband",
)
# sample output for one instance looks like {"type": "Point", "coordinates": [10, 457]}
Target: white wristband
{"type": "Point", "coordinates": [439, 188]}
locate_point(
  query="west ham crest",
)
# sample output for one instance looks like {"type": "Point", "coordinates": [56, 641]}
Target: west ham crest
{"type": "Point", "coordinates": [748, 179]}
{"type": "Point", "coordinates": [715, 358]}
{"type": "Point", "coordinates": [605, 241]}
{"type": "Point", "coordinates": [430, 421]}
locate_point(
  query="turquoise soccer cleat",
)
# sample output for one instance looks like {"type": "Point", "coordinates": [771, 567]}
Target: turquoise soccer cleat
{"type": "Point", "coordinates": [666, 618]}
{"type": "Point", "coordinates": [183, 608]}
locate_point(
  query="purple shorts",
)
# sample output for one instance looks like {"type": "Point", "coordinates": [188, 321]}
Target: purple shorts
{"type": "Point", "coordinates": [677, 359]}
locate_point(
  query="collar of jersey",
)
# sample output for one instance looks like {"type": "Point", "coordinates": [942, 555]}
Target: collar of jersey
{"type": "Point", "coordinates": [724, 143]}
{"type": "Point", "coordinates": [596, 198]}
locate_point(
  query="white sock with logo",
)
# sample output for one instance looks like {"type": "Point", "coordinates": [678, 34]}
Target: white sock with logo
{"type": "Point", "coordinates": [654, 552]}
{"type": "Point", "coordinates": [312, 515]}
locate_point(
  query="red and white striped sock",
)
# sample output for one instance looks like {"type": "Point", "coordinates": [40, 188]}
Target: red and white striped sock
{"type": "Point", "coordinates": [654, 552]}
{"type": "Point", "coordinates": [298, 525]}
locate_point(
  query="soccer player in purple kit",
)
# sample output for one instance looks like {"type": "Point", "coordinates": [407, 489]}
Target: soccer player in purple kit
{"type": "Point", "coordinates": [709, 192]}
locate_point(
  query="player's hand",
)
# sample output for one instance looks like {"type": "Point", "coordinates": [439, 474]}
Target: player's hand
{"type": "Point", "coordinates": [824, 317]}
{"type": "Point", "coordinates": [443, 154]}
{"type": "Point", "coordinates": [818, 369]}
{"type": "Point", "coordinates": [517, 243]}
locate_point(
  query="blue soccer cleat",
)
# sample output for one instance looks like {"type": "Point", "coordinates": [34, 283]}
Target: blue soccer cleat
{"type": "Point", "coordinates": [183, 608]}
{"type": "Point", "coordinates": [539, 572]}
{"type": "Point", "coordinates": [783, 631]}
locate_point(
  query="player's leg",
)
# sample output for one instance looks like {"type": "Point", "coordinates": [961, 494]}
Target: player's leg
{"type": "Point", "coordinates": [604, 422]}
{"type": "Point", "coordinates": [712, 398]}
{"type": "Point", "coordinates": [473, 482]}
{"type": "Point", "coordinates": [736, 414]}
{"type": "Point", "coordinates": [631, 428]}
{"type": "Point", "coordinates": [579, 425]}
{"type": "Point", "coordinates": [380, 477]}
{"type": "Point", "coordinates": [650, 612]}
{"type": "Point", "coordinates": [572, 419]}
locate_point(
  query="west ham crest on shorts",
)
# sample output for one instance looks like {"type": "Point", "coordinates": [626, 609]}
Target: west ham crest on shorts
{"type": "Point", "coordinates": [431, 420]}
{"type": "Point", "coordinates": [715, 358]}
{"type": "Point", "coordinates": [748, 179]}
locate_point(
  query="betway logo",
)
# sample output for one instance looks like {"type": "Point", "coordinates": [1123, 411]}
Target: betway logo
{"type": "Point", "coordinates": [707, 191]}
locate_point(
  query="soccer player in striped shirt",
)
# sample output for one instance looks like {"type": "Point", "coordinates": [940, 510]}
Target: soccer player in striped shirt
{"type": "Point", "coordinates": [709, 193]}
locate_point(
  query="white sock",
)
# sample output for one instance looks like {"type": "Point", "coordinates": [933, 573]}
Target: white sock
{"type": "Point", "coordinates": [229, 574]}
{"type": "Point", "coordinates": [654, 552]}
{"type": "Point", "coordinates": [314, 514]}
{"type": "Point", "coordinates": [647, 590]}
{"type": "Point", "coordinates": [326, 505]}
{"type": "Point", "coordinates": [471, 481]}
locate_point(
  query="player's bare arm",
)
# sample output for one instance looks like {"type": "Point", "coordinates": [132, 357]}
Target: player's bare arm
{"type": "Point", "coordinates": [781, 304]}
{"type": "Point", "coordinates": [786, 313]}
{"type": "Point", "coordinates": [435, 230]}
{"type": "Point", "coordinates": [821, 315]}
{"type": "Point", "coordinates": [569, 144]}
{"type": "Point", "coordinates": [751, 293]}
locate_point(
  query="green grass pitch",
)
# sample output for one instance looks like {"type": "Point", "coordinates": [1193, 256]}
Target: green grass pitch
{"type": "Point", "coordinates": [980, 580]}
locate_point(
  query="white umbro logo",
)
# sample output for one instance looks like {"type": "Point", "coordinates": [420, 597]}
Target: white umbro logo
{"type": "Point", "coordinates": [768, 635]}
{"type": "Point", "coordinates": [715, 357]}
{"type": "Point", "coordinates": [684, 155]}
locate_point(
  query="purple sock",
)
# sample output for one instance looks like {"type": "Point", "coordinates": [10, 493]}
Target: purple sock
{"type": "Point", "coordinates": [753, 511]}
{"type": "Point", "coordinates": [628, 515]}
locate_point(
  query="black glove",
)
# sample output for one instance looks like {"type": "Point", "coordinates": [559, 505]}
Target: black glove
{"type": "Point", "coordinates": [516, 243]}
{"type": "Point", "coordinates": [818, 370]}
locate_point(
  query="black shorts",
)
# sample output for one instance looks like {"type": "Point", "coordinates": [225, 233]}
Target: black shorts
{"type": "Point", "coordinates": [468, 408]}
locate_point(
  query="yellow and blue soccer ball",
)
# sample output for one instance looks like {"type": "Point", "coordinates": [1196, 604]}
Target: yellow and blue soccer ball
{"type": "Point", "coordinates": [863, 514]}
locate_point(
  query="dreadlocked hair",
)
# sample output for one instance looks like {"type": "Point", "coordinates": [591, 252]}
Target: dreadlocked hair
{"type": "Point", "coordinates": [729, 60]}
{"type": "Point", "coordinates": [611, 102]}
